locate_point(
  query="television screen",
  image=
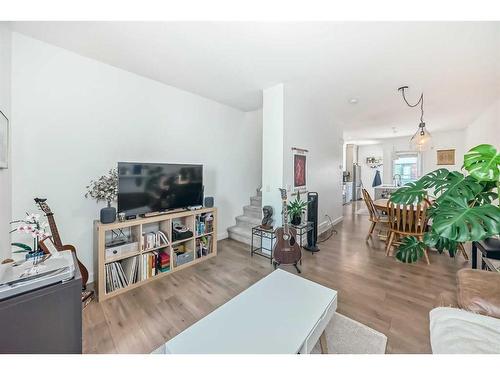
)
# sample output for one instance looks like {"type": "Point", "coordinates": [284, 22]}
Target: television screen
{"type": "Point", "coordinates": [149, 187]}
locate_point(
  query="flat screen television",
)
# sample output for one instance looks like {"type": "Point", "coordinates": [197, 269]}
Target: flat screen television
{"type": "Point", "coordinates": [154, 187]}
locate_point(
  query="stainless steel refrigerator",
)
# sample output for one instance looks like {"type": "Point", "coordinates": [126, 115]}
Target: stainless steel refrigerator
{"type": "Point", "coordinates": [356, 182]}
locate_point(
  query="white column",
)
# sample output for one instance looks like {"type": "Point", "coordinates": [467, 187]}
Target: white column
{"type": "Point", "coordinates": [272, 149]}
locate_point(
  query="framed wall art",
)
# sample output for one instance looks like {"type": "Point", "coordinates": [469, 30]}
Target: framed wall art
{"type": "Point", "coordinates": [4, 141]}
{"type": "Point", "coordinates": [445, 157]}
{"type": "Point", "coordinates": [299, 169]}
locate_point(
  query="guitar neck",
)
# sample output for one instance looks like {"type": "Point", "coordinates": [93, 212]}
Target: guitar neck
{"type": "Point", "coordinates": [285, 217]}
{"type": "Point", "coordinates": [55, 233]}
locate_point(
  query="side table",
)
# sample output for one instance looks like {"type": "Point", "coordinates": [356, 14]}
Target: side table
{"type": "Point", "coordinates": [492, 264]}
{"type": "Point", "coordinates": [486, 252]}
{"type": "Point", "coordinates": [263, 234]}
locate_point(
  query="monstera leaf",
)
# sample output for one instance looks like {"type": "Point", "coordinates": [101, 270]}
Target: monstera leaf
{"type": "Point", "coordinates": [456, 221]}
{"type": "Point", "coordinates": [415, 192]}
{"type": "Point", "coordinates": [483, 163]}
{"type": "Point", "coordinates": [485, 197]}
{"type": "Point", "coordinates": [410, 250]}
{"type": "Point", "coordinates": [430, 180]}
{"type": "Point", "coordinates": [457, 185]}
{"type": "Point", "coordinates": [411, 193]}
{"type": "Point", "coordinates": [432, 239]}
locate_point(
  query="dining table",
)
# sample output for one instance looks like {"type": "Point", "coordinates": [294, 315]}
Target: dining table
{"type": "Point", "coordinates": [381, 204]}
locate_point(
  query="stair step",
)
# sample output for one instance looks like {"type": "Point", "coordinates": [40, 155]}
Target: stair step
{"type": "Point", "coordinates": [256, 201]}
{"type": "Point", "coordinates": [247, 221]}
{"type": "Point", "coordinates": [252, 211]}
{"type": "Point", "coordinates": [252, 216]}
{"type": "Point", "coordinates": [240, 234]}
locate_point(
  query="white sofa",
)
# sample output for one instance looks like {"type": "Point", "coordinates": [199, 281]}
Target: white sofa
{"type": "Point", "coordinates": [456, 331]}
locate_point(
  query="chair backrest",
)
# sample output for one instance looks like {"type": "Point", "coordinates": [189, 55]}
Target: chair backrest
{"type": "Point", "coordinates": [408, 219]}
{"type": "Point", "coordinates": [374, 215]}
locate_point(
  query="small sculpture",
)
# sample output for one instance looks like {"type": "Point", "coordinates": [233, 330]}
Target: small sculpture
{"type": "Point", "coordinates": [267, 220]}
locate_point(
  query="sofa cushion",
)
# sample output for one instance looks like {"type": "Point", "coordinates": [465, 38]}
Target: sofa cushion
{"type": "Point", "coordinates": [455, 331]}
{"type": "Point", "coordinates": [479, 291]}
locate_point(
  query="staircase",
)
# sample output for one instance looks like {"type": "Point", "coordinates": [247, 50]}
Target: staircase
{"type": "Point", "coordinates": [252, 216]}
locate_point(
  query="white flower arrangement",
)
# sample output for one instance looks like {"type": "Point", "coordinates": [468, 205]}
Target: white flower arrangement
{"type": "Point", "coordinates": [105, 188]}
{"type": "Point", "coordinates": [32, 226]}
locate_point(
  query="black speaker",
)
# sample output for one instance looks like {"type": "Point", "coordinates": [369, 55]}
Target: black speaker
{"type": "Point", "coordinates": [312, 215]}
{"type": "Point", "coordinates": [209, 201]}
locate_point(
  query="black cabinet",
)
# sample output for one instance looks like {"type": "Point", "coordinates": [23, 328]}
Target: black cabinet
{"type": "Point", "coordinates": [46, 320]}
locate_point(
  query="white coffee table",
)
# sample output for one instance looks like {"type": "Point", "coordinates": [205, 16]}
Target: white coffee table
{"type": "Point", "coordinates": [280, 314]}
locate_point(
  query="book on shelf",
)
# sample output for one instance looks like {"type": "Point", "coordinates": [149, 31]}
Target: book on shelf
{"type": "Point", "coordinates": [203, 245]}
{"type": "Point", "coordinates": [153, 263]}
{"type": "Point", "coordinates": [115, 277]}
{"type": "Point", "coordinates": [153, 240]}
{"type": "Point", "coordinates": [131, 269]}
{"type": "Point", "coordinates": [163, 262]}
{"type": "Point", "coordinates": [204, 223]}
{"type": "Point", "coordinates": [122, 273]}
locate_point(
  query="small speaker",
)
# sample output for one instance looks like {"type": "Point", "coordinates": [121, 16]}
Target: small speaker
{"type": "Point", "coordinates": [108, 215]}
{"type": "Point", "coordinates": [209, 201]}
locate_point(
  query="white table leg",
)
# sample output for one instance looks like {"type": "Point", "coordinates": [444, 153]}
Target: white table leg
{"type": "Point", "coordinates": [323, 344]}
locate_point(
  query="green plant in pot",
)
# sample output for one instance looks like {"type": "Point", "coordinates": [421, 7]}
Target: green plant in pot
{"type": "Point", "coordinates": [105, 188]}
{"type": "Point", "coordinates": [295, 209]}
{"type": "Point", "coordinates": [462, 207]}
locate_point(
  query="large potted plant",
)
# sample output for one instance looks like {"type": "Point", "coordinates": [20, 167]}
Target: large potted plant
{"type": "Point", "coordinates": [462, 206]}
{"type": "Point", "coordinates": [295, 209]}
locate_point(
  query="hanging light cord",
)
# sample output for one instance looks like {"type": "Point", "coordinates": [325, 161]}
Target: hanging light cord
{"type": "Point", "coordinates": [420, 101]}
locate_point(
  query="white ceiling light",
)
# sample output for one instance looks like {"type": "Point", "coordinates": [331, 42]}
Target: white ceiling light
{"type": "Point", "coordinates": [422, 138]}
{"type": "Point", "coordinates": [353, 101]}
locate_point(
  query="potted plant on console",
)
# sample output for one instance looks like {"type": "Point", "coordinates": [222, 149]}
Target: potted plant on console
{"type": "Point", "coordinates": [105, 188]}
{"type": "Point", "coordinates": [295, 209]}
{"type": "Point", "coordinates": [462, 207]}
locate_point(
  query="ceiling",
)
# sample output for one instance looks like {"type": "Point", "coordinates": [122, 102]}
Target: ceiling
{"type": "Point", "coordinates": [456, 64]}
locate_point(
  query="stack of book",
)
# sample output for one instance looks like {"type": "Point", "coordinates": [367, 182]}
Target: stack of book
{"type": "Point", "coordinates": [153, 240]}
{"type": "Point", "coordinates": [149, 262]}
{"type": "Point", "coordinates": [121, 274]}
{"type": "Point", "coordinates": [164, 262]}
{"type": "Point", "coordinates": [131, 269]}
{"type": "Point", "coordinates": [115, 277]}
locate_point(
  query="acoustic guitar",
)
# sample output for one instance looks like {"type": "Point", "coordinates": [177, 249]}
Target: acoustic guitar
{"type": "Point", "coordinates": [57, 239]}
{"type": "Point", "coordinates": [286, 249]}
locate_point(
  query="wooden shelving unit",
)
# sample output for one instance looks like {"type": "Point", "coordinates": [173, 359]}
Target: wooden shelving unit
{"type": "Point", "coordinates": [135, 228]}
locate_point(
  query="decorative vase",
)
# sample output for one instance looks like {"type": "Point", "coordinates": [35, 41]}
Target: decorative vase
{"type": "Point", "coordinates": [108, 214]}
{"type": "Point", "coordinates": [296, 220]}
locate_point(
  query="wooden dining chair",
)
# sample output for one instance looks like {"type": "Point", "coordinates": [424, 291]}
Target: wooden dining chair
{"type": "Point", "coordinates": [406, 220]}
{"type": "Point", "coordinates": [375, 216]}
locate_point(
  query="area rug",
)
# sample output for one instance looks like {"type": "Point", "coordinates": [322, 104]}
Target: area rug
{"type": "Point", "coordinates": [347, 336]}
{"type": "Point", "coordinates": [344, 336]}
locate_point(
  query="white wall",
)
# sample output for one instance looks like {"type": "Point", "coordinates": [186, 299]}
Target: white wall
{"type": "Point", "coordinates": [75, 118]}
{"type": "Point", "coordinates": [5, 174]}
{"type": "Point", "coordinates": [310, 124]}
{"type": "Point", "coordinates": [485, 129]}
{"type": "Point", "coordinates": [272, 149]}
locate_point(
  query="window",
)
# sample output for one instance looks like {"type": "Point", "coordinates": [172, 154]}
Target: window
{"type": "Point", "coordinates": [407, 165]}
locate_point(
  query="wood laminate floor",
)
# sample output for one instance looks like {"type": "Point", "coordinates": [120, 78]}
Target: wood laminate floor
{"type": "Point", "coordinates": [376, 290]}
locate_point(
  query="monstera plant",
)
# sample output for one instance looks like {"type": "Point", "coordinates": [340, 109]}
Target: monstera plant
{"type": "Point", "coordinates": [462, 205]}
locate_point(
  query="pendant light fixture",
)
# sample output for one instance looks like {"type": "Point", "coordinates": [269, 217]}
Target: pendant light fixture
{"type": "Point", "coordinates": [422, 138]}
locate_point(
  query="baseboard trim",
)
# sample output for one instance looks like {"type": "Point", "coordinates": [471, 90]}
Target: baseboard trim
{"type": "Point", "coordinates": [325, 225]}
{"type": "Point", "coordinates": [222, 235]}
